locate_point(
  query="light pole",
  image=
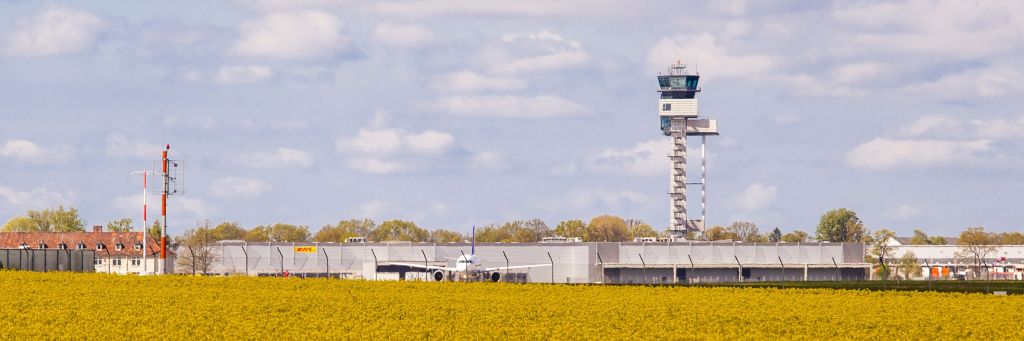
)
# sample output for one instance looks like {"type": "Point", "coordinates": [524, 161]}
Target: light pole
{"type": "Point", "coordinates": [145, 217]}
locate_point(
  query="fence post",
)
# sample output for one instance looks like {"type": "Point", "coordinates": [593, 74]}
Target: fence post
{"type": "Point", "coordinates": [328, 260]}
{"type": "Point", "coordinates": [601, 261]}
{"type": "Point", "coordinates": [246, 255]}
{"type": "Point", "coordinates": [282, 259]}
{"type": "Point", "coordinates": [374, 264]}
{"type": "Point", "coordinates": [193, 253]}
{"type": "Point", "coordinates": [506, 264]}
{"type": "Point", "coordinates": [552, 268]}
{"type": "Point", "coordinates": [783, 272]}
{"type": "Point", "coordinates": [644, 266]}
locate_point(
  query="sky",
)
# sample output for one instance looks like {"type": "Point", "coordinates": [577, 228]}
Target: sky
{"type": "Point", "coordinates": [454, 113]}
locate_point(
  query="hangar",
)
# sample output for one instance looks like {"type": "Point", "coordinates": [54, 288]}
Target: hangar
{"type": "Point", "coordinates": [569, 262]}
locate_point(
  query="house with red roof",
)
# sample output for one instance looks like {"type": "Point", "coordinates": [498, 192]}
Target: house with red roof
{"type": "Point", "coordinates": [116, 252]}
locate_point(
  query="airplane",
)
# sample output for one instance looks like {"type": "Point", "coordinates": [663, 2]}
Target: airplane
{"type": "Point", "coordinates": [468, 267]}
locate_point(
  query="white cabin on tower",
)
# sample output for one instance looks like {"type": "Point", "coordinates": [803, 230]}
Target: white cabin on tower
{"type": "Point", "coordinates": [680, 118]}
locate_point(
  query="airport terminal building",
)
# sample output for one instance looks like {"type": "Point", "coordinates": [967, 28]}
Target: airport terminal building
{"type": "Point", "coordinates": [565, 262]}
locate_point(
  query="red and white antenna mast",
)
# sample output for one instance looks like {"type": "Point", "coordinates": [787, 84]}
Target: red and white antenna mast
{"type": "Point", "coordinates": [170, 172]}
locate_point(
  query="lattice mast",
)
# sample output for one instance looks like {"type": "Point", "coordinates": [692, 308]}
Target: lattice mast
{"type": "Point", "coordinates": [170, 174]}
{"type": "Point", "coordinates": [680, 118]}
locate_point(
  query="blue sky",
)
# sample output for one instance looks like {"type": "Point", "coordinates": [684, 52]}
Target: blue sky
{"type": "Point", "coordinates": [454, 113]}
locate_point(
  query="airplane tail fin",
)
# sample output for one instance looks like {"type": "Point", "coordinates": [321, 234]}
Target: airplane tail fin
{"type": "Point", "coordinates": [472, 248]}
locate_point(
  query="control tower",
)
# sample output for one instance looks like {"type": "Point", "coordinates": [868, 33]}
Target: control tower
{"type": "Point", "coordinates": [680, 118]}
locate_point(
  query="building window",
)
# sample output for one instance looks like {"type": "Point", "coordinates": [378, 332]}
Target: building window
{"type": "Point", "coordinates": [136, 262]}
{"type": "Point", "coordinates": [23, 246]}
{"type": "Point", "coordinates": [138, 246]}
{"type": "Point", "coordinates": [62, 246]}
{"type": "Point", "coordinates": [118, 246]}
{"type": "Point", "coordinates": [666, 107]}
{"type": "Point", "coordinates": [100, 246]}
{"type": "Point", "coordinates": [81, 246]}
{"type": "Point", "coordinates": [97, 261]}
{"type": "Point", "coordinates": [42, 245]}
{"type": "Point", "coordinates": [117, 261]}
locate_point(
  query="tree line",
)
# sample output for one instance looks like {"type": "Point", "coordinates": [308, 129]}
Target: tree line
{"type": "Point", "coordinates": [838, 225]}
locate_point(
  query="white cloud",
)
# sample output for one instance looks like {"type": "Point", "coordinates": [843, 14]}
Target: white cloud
{"type": "Point", "coordinates": [181, 209]}
{"type": "Point", "coordinates": [372, 209]}
{"type": "Point", "coordinates": [565, 169]}
{"type": "Point", "coordinates": [601, 199]}
{"type": "Point", "coordinates": [25, 150]}
{"type": "Point", "coordinates": [958, 29]}
{"type": "Point", "coordinates": [291, 35]}
{"type": "Point", "coordinates": [237, 74]}
{"type": "Point", "coordinates": [508, 106]}
{"type": "Point", "coordinates": [38, 198]}
{"type": "Point", "coordinates": [932, 124]}
{"type": "Point", "coordinates": [279, 158]}
{"type": "Point", "coordinates": [904, 212]}
{"type": "Point", "coordinates": [756, 197]}
{"type": "Point", "coordinates": [703, 53]}
{"type": "Point", "coordinates": [992, 81]}
{"type": "Point", "coordinates": [119, 145]}
{"type": "Point", "coordinates": [404, 36]}
{"type": "Point", "coordinates": [883, 154]}
{"type": "Point", "coordinates": [54, 31]}
{"type": "Point", "coordinates": [644, 159]}
{"type": "Point", "coordinates": [999, 128]}
{"type": "Point", "coordinates": [374, 165]}
{"type": "Point", "coordinates": [239, 187]}
{"type": "Point", "coordinates": [542, 51]}
{"type": "Point", "coordinates": [489, 161]}
{"type": "Point", "coordinates": [430, 142]}
{"type": "Point", "coordinates": [468, 82]}
{"type": "Point", "coordinates": [279, 5]}
{"type": "Point", "coordinates": [198, 122]}
{"type": "Point", "coordinates": [521, 7]}
{"type": "Point", "coordinates": [372, 141]}
{"type": "Point", "coordinates": [858, 72]}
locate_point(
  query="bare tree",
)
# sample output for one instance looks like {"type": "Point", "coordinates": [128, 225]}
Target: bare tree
{"type": "Point", "coordinates": [195, 254]}
{"type": "Point", "coordinates": [976, 245]}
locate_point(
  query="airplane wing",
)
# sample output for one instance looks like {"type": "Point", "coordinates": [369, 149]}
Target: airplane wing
{"type": "Point", "coordinates": [423, 266]}
{"type": "Point", "coordinates": [499, 268]}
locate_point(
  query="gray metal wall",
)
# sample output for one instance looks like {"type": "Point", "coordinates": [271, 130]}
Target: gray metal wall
{"type": "Point", "coordinates": [43, 260]}
{"type": "Point", "coordinates": [572, 262]}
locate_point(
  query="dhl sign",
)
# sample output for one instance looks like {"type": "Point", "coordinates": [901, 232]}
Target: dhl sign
{"type": "Point", "coordinates": [305, 249]}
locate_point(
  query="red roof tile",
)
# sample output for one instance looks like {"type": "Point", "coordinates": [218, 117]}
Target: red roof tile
{"type": "Point", "coordinates": [13, 240]}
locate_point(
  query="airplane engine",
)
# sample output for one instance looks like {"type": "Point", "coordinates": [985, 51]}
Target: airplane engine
{"type": "Point", "coordinates": [439, 275]}
{"type": "Point", "coordinates": [495, 276]}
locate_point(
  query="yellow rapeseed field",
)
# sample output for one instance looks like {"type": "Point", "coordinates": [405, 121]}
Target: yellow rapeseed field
{"type": "Point", "coordinates": [95, 306]}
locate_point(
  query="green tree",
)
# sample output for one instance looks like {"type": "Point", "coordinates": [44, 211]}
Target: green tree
{"type": "Point", "coordinates": [399, 230]}
{"type": "Point", "coordinates": [120, 225]}
{"type": "Point", "coordinates": [641, 230]}
{"type": "Point", "coordinates": [795, 237]}
{"type": "Point", "coordinates": [937, 240]}
{"type": "Point", "coordinates": [744, 231]}
{"type": "Point", "coordinates": [538, 230]}
{"type": "Point", "coordinates": [289, 233]}
{"type": "Point", "coordinates": [919, 238]}
{"type": "Point", "coordinates": [1010, 238]}
{"type": "Point", "coordinates": [20, 224]}
{"type": "Point", "coordinates": [908, 263]}
{"type": "Point", "coordinates": [717, 233]}
{"type": "Point", "coordinates": [606, 228]}
{"type": "Point", "coordinates": [446, 236]}
{"type": "Point", "coordinates": [879, 242]}
{"type": "Point", "coordinates": [841, 225]}
{"type": "Point", "coordinates": [229, 231]}
{"type": "Point", "coordinates": [155, 230]}
{"type": "Point", "coordinates": [976, 244]}
{"type": "Point", "coordinates": [258, 234]}
{"type": "Point", "coordinates": [571, 228]}
{"type": "Point", "coordinates": [58, 219]}
{"type": "Point", "coordinates": [775, 236]}
{"type": "Point", "coordinates": [345, 229]}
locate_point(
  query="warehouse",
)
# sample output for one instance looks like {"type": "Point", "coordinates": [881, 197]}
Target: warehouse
{"type": "Point", "coordinates": [570, 262]}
